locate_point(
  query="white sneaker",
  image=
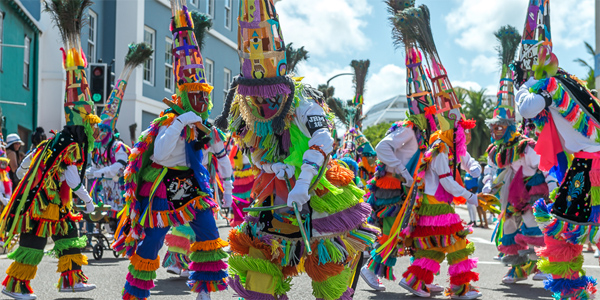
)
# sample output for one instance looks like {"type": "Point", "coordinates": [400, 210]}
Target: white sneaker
{"type": "Point", "coordinates": [539, 276]}
{"type": "Point", "coordinates": [371, 279]}
{"type": "Point", "coordinates": [435, 288]}
{"type": "Point", "coordinates": [597, 253]}
{"type": "Point", "coordinates": [203, 296]}
{"type": "Point", "coordinates": [468, 295]}
{"type": "Point", "coordinates": [510, 279]}
{"type": "Point", "coordinates": [173, 270]}
{"type": "Point", "coordinates": [185, 273]}
{"type": "Point", "coordinates": [418, 293]}
{"type": "Point", "coordinates": [19, 295]}
{"type": "Point", "coordinates": [78, 287]}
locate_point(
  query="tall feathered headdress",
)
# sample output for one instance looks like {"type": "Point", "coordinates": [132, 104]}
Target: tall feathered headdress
{"type": "Point", "coordinates": [361, 68]}
{"type": "Point", "coordinates": [536, 54]}
{"type": "Point", "coordinates": [508, 39]}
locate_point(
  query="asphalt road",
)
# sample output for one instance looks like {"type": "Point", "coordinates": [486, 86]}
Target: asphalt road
{"type": "Point", "coordinates": [109, 275]}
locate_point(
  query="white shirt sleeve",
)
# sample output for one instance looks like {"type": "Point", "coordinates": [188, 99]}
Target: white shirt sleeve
{"type": "Point", "coordinates": [114, 169]}
{"type": "Point", "coordinates": [224, 165]}
{"type": "Point", "coordinates": [470, 165]}
{"type": "Point", "coordinates": [441, 166]}
{"type": "Point", "coordinates": [321, 137]}
{"type": "Point", "coordinates": [71, 176]}
{"type": "Point", "coordinates": [529, 104]}
{"type": "Point", "coordinates": [24, 167]}
{"type": "Point", "coordinates": [386, 148]}
{"type": "Point", "coordinates": [531, 158]}
{"type": "Point", "coordinates": [166, 140]}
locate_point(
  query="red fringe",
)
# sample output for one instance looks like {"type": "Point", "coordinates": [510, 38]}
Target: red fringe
{"type": "Point", "coordinates": [464, 278]}
{"type": "Point", "coordinates": [419, 273]}
{"type": "Point", "coordinates": [425, 231]}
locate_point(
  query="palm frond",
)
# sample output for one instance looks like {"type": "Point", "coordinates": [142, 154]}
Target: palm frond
{"type": "Point", "coordinates": [295, 56]}
{"type": "Point", "coordinates": [202, 24]}
{"type": "Point", "coordinates": [68, 17]}
{"type": "Point", "coordinates": [590, 50]}
{"type": "Point", "coordinates": [338, 109]}
{"type": "Point", "coordinates": [509, 39]}
{"type": "Point", "coordinates": [361, 68]}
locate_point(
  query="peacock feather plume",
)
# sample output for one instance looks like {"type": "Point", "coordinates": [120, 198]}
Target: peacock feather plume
{"type": "Point", "coordinates": [509, 39]}
{"type": "Point", "coordinates": [68, 16]}
{"type": "Point", "coordinates": [202, 24]}
{"type": "Point", "coordinates": [137, 54]}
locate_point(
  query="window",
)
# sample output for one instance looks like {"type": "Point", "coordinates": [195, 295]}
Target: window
{"type": "Point", "coordinates": [92, 35]}
{"type": "Point", "coordinates": [149, 35]}
{"type": "Point", "coordinates": [26, 55]}
{"type": "Point", "coordinates": [210, 8]}
{"type": "Point", "coordinates": [193, 2]}
{"type": "Point", "coordinates": [209, 70]}
{"type": "Point", "coordinates": [169, 65]}
{"type": "Point", "coordinates": [226, 82]}
{"type": "Point", "coordinates": [228, 14]}
{"type": "Point", "coordinates": [1, 35]}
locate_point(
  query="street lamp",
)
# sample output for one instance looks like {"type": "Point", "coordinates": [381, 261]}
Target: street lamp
{"type": "Point", "coordinates": [332, 78]}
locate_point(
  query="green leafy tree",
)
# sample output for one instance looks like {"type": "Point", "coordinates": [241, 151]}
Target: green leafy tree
{"type": "Point", "coordinates": [591, 77]}
{"type": "Point", "coordinates": [376, 132]}
{"type": "Point", "coordinates": [478, 106]}
{"type": "Point", "coordinates": [294, 57]}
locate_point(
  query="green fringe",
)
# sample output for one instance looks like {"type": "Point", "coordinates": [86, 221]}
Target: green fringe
{"type": "Point", "coordinates": [64, 244]}
{"type": "Point", "coordinates": [143, 275]}
{"type": "Point", "coordinates": [455, 256]}
{"type": "Point", "coordinates": [332, 203]}
{"type": "Point", "coordinates": [431, 254]}
{"type": "Point", "coordinates": [562, 268]}
{"type": "Point", "coordinates": [595, 195]}
{"type": "Point", "coordinates": [150, 174]}
{"type": "Point", "coordinates": [28, 256]}
{"type": "Point", "coordinates": [184, 231]}
{"type": "Point", "coordinates": [240, 265]}
{"type": "Point", "coordinates": [435, 210]}
{"type": "Point", "coordinates": [333, 287]}
{"type": "Point", "coordinates": [208, 256]}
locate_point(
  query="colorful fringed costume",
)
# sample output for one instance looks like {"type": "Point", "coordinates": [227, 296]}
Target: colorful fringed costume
{"type": "Point", "coordinates": [565, 112]}
{"type": "Point", "coordinates": [6, 187]}
{"type": "Point", "coordinates": [243, 180]}
{"type": "Point", "coordinates": [281, 126]}
{"type": "Point", "coordinates": [166, 183]}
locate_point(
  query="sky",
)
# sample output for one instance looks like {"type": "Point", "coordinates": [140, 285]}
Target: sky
{"type": "Point", "coordinates": [337, 31]}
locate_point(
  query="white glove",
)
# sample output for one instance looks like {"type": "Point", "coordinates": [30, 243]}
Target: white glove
{"type": "Point", "coordinates": [282, 170]}
{"type": "Point", "coordinates": [189, 118]}
{"type": "Point", "coordinates": [402, 171]}
{"type": "Point", "coordinates": [89, 173]}
{"type": "Point", "coordinates": [487, 188]}
{"type": "Point", "coordinates": [98, 174]}
{"type": "Point", "coordinates": [473, 199]}
{"type": "Point", "coordinates": [299, 194]}
{"type": "Point", "coordinates": [89, 207]}
{"type": "Point", "coordinates": [475, 170]}
{"type": "Point", "coordinates": [227, 193]}
{"type": "Point", "coordinates": [267, 168]}
{"type": "Point", "coordinates": [552, 186]}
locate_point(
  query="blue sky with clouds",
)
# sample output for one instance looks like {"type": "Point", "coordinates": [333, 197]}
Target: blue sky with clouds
{"type": "Point", "coordinates": [337, 31]}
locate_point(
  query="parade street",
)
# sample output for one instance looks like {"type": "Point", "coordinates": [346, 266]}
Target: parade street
{"type": "Point", "coordinates": [109, 273]}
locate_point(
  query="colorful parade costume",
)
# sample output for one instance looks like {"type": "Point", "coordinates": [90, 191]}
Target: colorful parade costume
{"type": "Point", "coordinates": [166, 183]}
{"type": "Point", "coordinates": [110, 154]}
{"type": "Point", "coordinates": [243, 180]}
{"type": "Point", "coordinates": [565, 113]}
{"type": "Point", "coordinates": [42, 205]}
{"type": "Point", "coordinates": [5, 183]}
{"type": "Point", "coordinates": [514, 171]}
{"type": "Point", "coordinates": [280, 124]}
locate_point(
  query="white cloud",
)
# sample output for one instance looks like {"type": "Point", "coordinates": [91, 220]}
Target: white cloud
{"type": "Point", "coordinates": [469, 85]}
{"type": "Point", "coordinates": [324, 27]}
{"type": "Point", "coordinates": [474, 21]}
{"type": "Point", "coordinates": [485, 64]}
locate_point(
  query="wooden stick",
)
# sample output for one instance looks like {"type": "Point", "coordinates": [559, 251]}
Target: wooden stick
{"type": "Point", "coordinates": [180, 111]}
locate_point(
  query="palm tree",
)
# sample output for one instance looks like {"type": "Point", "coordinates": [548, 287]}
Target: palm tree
{"type": "Point", "coordinates": [591, 78]}
{"type": "Point", "coordinates": [294, 57]}
{"type": "Point", "coordinates": [478, 106]}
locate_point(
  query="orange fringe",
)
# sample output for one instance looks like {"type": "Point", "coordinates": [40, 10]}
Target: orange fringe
{"type": "Point", "coordinates": [142, 264]}
{"type": "Point", "coordinates": [290, 271]}
{"type": "Point", "coordinates": [209, 245]}
{"type": "Point", "coordinates": [388, 182]}
{"type": "Point", "coordinates": [320, 273]}
{"type": "Point", "coordinates": [21, 271]}
{"type": "Point", "coordinates": [240, 243]}
{"type": "Point", "coordinates": [338, 175]}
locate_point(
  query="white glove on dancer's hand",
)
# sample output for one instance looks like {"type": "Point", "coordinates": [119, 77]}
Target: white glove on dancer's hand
{"type": "Point", "coordinates": [282, 170]}
{"type": "Point", "coordinates": [299, 193]}
{"type": "Point", "coordinates": [406, 175]}
{"type": "Point", "coordinates": [227, 193]}
{"type": "Point", "coordinates": [486, 189]}
{"type": "Point", "coordinates": [189, 118]}
{"type": "Point", "coordinates": [473, 200]}
{"type": "Point", "coordinates": [89, 207]}
{"type": "Point", "coordinates": [475, 170]}
{"type": "Point", "coordinates": [89, 172]}
{"type": "Point", "coordinates": [552, 186]}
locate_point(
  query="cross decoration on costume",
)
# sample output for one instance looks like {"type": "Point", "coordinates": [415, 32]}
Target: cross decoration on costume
{"type": "Point", "coordinates": [189, 66]}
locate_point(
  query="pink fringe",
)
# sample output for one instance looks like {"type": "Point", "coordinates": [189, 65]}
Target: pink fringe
{"type": "Point", "coordinates": [463, 266]}
{"type": "Point", "coordinates": [558, 251]}
{"type": "Point", "coordinates": [138, 283]}
{"type": "Point", "coordinates": [431, 122]}
{"type": "Point", "coordinates": [177, 241]}
{"type": "Point", "coordinates": [461, 142]}
{"type": "Point", "coordinates": [213, 266]}
{"type": "Point", "coordinates": [524, 240]}
{"type": "Point", "coordinates": [441, 220]}
{"type": "Point", "coordinates": [161, 191]}
{"type": "Point", "coordinates": [595, 176]}
{"type": "Point", "coordinates": [539, 190]}
{"type": "Point", "coordinates": [427, 264]}
{"type": "Point", "coordinates": [512, 249]}
{"type": "Point", "coordinates": [442, 195]}
{"type": "Point", "coordinates": [517, 191]}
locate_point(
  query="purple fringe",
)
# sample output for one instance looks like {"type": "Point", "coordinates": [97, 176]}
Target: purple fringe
{"type": "Point", "coordinates": [242, 292]}
{"type": "Point", "coordinates": [251, 219]}
{"type": "Point", "coordinates": [347, 295]}
{"type": "Point", "coordinates": [343, 221]}
{"type": "Point", "coordinates": [265, 91]}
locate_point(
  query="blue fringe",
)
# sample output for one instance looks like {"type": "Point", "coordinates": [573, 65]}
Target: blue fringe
{"type": "Point", "coordinates": [509, 239]}
{"type": "Point", "coordinates": [385, 201]}
{"type": "Point", "coordinates": [537, 179]}
{"type": "Point", "coordinates": [136, 292]}
{"type": "Point", "coordinates": [568, 286]}
{"type": "Point", "coordinates": [377, 258]}
{"type": "Point", "coordinates": [533, 231]}
{"type": "Point", "coordinates": [208, 276]}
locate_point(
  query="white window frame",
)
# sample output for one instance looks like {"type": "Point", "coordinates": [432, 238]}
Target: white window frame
{"type": "Point", "coordinates": [26, 62]}
{"type": "Point", "coordinates": [1, 35]}
{"type": "Point", "coordinates": [193, 2]}
{"type": "Point", "coordinates": [226, 81]}
{"type": "Point", "coordinates": [169, 65]}
{"type": "Point", "coordinates": [149, 65]}
{"type": "Point", "coordinates": [209, 72]}
{"type": "Point", "coordinates": [92, 35]}
{"type": "Point", "coordinates": [210, 8]}
{"type": "Point", "coordinates": [228, 13]}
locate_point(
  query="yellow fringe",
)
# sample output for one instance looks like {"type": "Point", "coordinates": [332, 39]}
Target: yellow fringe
{"type": "Point", "coordinates": [245, 173]}
{"type": "Point", "coordinates": [208, 245]}
{"type": "Point", "coordinates": [50, 213]}
{"type": "Point", "coordinates": [142, 264]}
{"type": "Point", "coordinates": [21, 271]}
{"type": "Point", "coordinates": [65, 263]}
